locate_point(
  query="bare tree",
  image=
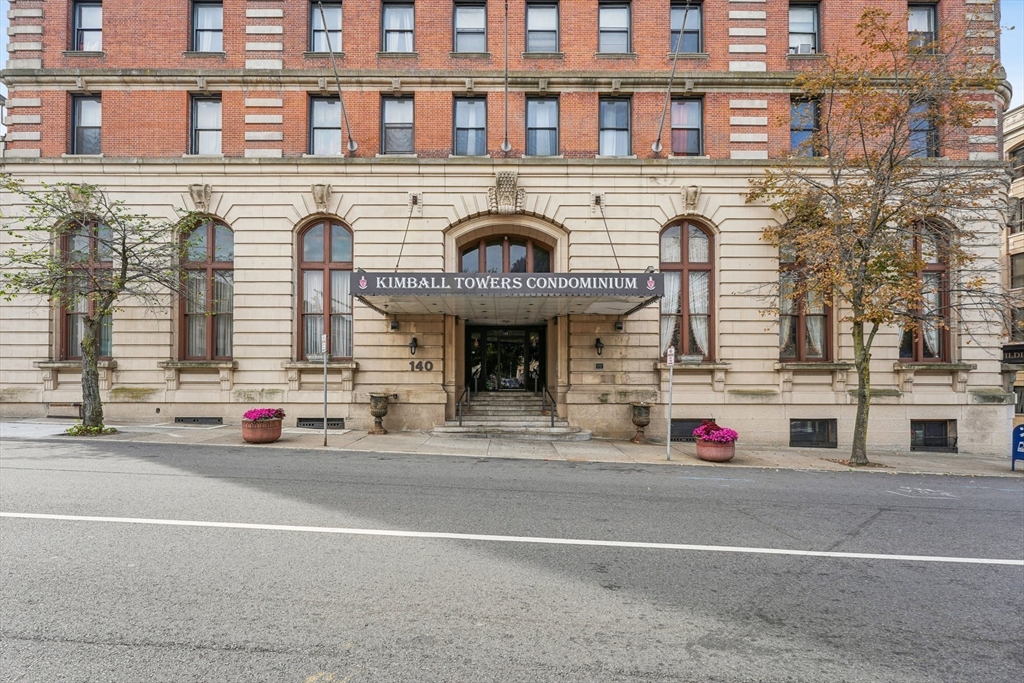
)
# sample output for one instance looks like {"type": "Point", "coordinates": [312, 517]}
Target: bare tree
{"type": "Point", "coordinates": [881, 203]}
{"type": "Point", "coordinates": [87, 254]}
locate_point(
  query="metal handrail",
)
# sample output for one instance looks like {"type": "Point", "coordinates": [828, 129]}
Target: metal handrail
{"type": "Point", "coordinates": [545, 405]}
{"type": "Point", "coordinates": [461, 396]}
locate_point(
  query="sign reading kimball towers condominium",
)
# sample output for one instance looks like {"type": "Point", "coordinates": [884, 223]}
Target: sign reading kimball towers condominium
{"type": "Point", "coordinates": [510, 284]}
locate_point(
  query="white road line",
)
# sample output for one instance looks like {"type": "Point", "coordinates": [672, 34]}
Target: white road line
{"type": "Point", "coordinates": [514, 539]}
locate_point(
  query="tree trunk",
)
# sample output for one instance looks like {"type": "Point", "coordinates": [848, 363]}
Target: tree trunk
{"type": "Point", "coordinates": [92, 405]}
{"type": "Point", "coordinates": [862, 362]}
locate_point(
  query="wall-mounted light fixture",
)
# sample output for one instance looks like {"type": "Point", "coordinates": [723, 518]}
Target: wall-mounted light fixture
{"type": "Point", "coordinates": [619, 326]}
{"type": "Point", "coordinates": [394, 324]}
{"type": "Point", "coordinates": [413, 345]}
{"type": "Point", "coordinates": [599, 345]}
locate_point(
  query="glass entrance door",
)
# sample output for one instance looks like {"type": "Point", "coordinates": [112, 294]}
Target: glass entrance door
{"type": "Point", "coordinates": [505, 358]}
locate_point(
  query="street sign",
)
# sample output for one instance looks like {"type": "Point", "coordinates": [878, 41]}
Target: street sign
{"type": "Point", "coordinates": [1018, 446]}
{"type": "Point", "coordinates": [670, 357]}
{"type": "Point", "coordinates": [323, 343]}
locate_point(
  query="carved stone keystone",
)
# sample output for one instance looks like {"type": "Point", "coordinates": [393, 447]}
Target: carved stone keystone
{"type": "Point", "coordinates": [506, 197]}
{"type": "Point", "coordinates": [321, 197]}
{"type": "Point", "coordinates": [201, 196]}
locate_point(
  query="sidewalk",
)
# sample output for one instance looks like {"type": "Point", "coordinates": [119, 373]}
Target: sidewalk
{"type": "Point", "coordinates": [596, 450]}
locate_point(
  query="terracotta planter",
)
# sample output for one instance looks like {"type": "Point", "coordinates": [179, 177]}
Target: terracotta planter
{"type": "Point", "coordinates": [641, 418]}
{"type": "Point", "coordinates": [378, 409]}
{"type": "Point", "coordinates": [713, 451]}
{"type": "Point", "coordinates": [263, 431]}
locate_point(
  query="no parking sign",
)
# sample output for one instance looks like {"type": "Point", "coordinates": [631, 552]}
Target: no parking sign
{"type": "Point", "coordinates": [1018, 446]}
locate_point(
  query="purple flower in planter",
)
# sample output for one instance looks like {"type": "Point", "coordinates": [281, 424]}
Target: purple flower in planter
{"type": "Point", "coordinates": [263, 414]}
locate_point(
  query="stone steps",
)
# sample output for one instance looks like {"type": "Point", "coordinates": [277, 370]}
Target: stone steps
{"type": "Point", "coordinates": [513, 414]}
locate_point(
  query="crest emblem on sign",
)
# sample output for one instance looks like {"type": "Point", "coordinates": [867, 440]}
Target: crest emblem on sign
{"type": "Point", "coordinates": [362, 282]}
{"type": "Point", "coordinates": [650, 283]}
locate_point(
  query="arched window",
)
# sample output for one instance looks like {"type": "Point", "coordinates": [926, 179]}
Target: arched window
{"type": "Point", "coordinates": [325, 264]}
{"type": "Point", "coordinates": [687, 260]}
{"type": "Point", "coordinates": [803, 317]}
{"type": "Point", "coordinates": [87, 252]}
{"type": "Point", "coordinates": [208, 305]}
{"type": "Point", "coordinates": [505, 255]}
{"type": "Point", "coordinates": [929, 340]}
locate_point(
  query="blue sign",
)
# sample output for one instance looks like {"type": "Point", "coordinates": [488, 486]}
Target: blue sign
{"type": "Point", "coordinates": [1018, 446]}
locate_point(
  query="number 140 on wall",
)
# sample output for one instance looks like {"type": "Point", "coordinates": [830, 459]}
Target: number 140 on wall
{"type": "Point", "coordinates": [420, 366]}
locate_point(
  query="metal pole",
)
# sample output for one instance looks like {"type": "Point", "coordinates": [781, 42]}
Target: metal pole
{"type": "Point", "coordinates": [671, 359]}
{"type": "Point", "coordinates": [323, 345]}
{"type": "Point", "coordinates": [352, 146]}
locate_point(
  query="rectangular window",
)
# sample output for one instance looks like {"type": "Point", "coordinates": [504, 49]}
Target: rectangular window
{"type": "Point", "coordinates": [325, 126]}
{"type": "Point", "coordinates": [208, 27]}
{"type": "Point", "coordinates": [921, 27]}
{"type": "Point", "coordinates": [319, 34]}
{"type": "Point", "coordinates": [542, 127]}
{"type": "Point", "coordinates": [685, 19]}
{"type": "Point", "coordinates": [803, 122]}
{"type": "Point", "coordinates": [399, 23]}
{"type": "Point", "coordinates": [1016, 159]}
{"type": "Point", "coordinates": [1016, 224]}
{"type": "Point", "coordinates": [803, 322]}
{"type": "Point", "coordinates": [682, 428]}
{"type": "Point", "coordinates": [1018, 403]}
{"type": "Point", "coordinates": [74, 330]}
{"type": "Point", "coordinates": [803, 29]}
{"type": "Point", "coordinates": [1017, 325]}
{"type": "Point", "coordinates": [1017, 271]}
{"type": "Point", "coordinates": [924, 137]}
{"type": "Point", "coordinates": [470, 126]}
{"type": "Point", "coordinates": [613, 27]}
{"type": "Point", "coordinates": [541, 27]}
{"type": "Point", "coordinates": [206, 125]}
{"type": "Point", "coordinates": [397, 128]}
{"type": "Point", "coordinates": [88, 28]}
{"type": "Point", "coordinates": [933, 435]}
{"type": "Point", "coordinates": [614, 128]}
{"type": "Point", "coordinates": [686, 128]}
{"type": "Point", "coordinates": [813, 433]}
{"type": "Point", "coordinates": [87, 113]}
{"type": "Point", "coordinates": [470, 27]}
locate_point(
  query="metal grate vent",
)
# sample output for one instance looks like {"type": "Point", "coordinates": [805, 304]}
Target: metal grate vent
{"type": "Point", "coordinates": [199, 420]}
{"type": "Point", "coordinates": [318, 422]}
{"type": "Point", "coordinates": [682, 428]}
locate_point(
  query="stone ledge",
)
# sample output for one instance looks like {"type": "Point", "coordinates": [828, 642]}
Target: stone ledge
{"type": "Point", "coordinates": [543, 55]}
{"type": "Point", "coordinates": [187, 364]}
{"type": "Point", "coordinates": [939, 367]}
{"type": "Point", "coordinates": [314, 365]}
{"type": "Point", "coordinates": [66, 364]}
{"type": "Point", "coordinates": [693, 367]}
{"type": "Point", "coordinates": [83, 53]}
{"type": "Point", "coordinates": [811, 366]}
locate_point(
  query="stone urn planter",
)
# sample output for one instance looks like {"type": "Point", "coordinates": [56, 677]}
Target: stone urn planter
{"type": "Point", "coordinates": [641, 415]}
{"type": "Point", "coordinates": [378, 409]}
{"type": "Point", "coordinates": [715, 452]}
{"type": "Point", "coordinates": [262, 425]}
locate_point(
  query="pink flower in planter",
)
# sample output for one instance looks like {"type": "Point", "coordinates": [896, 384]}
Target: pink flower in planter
{"type": "Point", "coordinates": [263, 414]}
{"type": "Point", "coordinates": [709, 431]}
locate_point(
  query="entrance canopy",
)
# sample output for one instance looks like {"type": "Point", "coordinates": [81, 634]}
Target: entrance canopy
{"type": "Point", "coordinates": [507, 298]}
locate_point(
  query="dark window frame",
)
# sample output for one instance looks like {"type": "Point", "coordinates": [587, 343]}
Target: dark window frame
{"type": "Point", "coordinates": [557, 128]}
{"type": "Point", "coordinates": [78, 31]}
{"type": "Point", "coordinates": [1016, 223]}
{"type": "Point", "coordinates": [829, 425]}
{"type": "Point", "coordinates": [921, 120]}
{"type": "Point", "coordinates": [92, 268]}
{"type": "Point", "coordinates": [456, 128]}
{"type": "Point", "coordinates": [700, 128]}
{"type": "Point", "coordinates": [313, 128]}
{"type": "Point", "coordinates": [1015, 158]}
{"type": "Point", "coordinates": [941, 268]}
{"type": "Point", "coordinates": [314, 16]}
{"type": "Point", "coordinates": [1017, 271]}
{"type": "Point", "coordinates": [196, 31]}
{"type": "Point", "coordinates": [798, 127]}
{"type": "Point", "coordinates": [77, 142]}
{"type": "Point", "coordinates": [536, 4]}
{"type": "Point", "coordinates": [601, 31]}
{"type": "Point", "coordinates": [456, 31]}
{"type": "Point", "coordinates": [209, 267]}
{"type": "Point", "coordinates": [684, 267]}
{"type": "Point", "coordinates": [816, 35]}
{"type": "Point", "coordinates": [195, 130]}
{"type": "Point", "coordinates": [674, 35]}
{"type": "Point", "coordinates": [327, 267]}
{"type": "Point", "coordinates": [942, 443]}
{"type": "Point", "coordinates": [384, 125]}
{"type": "Point", "coordinates": [506, 253]}
{"type": "Point", "coordinates": [924, 40]}
{"type": "Point", "coordinates": [629, 124]}
{"type": "Point", "coordinates": [385, 31]}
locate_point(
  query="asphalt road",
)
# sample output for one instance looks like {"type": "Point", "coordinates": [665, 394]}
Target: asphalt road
{"type": "Point", "coordinates": [101, 600]}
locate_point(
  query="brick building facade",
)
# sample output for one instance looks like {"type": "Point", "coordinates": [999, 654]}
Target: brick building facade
{"type": "Point", "coordinates": [231, 107]}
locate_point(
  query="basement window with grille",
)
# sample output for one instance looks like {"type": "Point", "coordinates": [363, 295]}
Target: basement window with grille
{"type": "Point", "coordinates": [682, 428]}
{"type": "Point", "coordinates": [199, 420]}
{"type": "Point", "coordinates": [933, 435]}
{"type": "Point", "coordinates": [318, 423]}
{"type": "Point", "coordinates": [813, 434]}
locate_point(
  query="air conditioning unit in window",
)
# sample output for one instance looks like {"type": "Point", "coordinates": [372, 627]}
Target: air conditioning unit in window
{"type": "Point", "coordinates": [806, 49]}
